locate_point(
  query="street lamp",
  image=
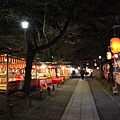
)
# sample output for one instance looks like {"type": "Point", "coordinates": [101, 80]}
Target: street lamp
{"type": "Point", "coordinates": [25, 26]}
{"type": "Point", "coordinates": [100, 57]}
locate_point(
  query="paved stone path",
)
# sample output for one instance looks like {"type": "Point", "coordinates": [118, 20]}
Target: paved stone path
{"type": "Point", "coordinates": [81, 105]}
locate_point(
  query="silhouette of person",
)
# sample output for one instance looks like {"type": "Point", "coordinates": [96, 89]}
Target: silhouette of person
{"type": "Point", "coordinates": [82, 72]}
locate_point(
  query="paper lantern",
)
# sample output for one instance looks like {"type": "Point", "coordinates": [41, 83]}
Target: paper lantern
{"type": "Point", "coordinates": [95, 64]}
{"type": "Point", "coordinates": [109, 55]}
{"type": "Point", "coordinates": [115, 45]}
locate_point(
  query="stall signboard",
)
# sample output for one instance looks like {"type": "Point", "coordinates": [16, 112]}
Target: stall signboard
{"type": "Point", "coordinates": [15, 85]}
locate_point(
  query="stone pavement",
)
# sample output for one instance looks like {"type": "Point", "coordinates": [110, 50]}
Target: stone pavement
{"type": "Point", "coordinates": [81, 105]}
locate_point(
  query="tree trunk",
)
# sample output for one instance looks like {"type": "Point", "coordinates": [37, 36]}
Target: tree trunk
{"type": "Point", "coordinates": [27, 79]}
{"type": "Point", "coordinates": [56, 72]}
{"type": "Point", "coordinates": [29, 60]}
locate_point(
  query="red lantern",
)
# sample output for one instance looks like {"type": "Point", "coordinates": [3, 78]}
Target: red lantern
{"type": "Point", "coordinates": [115, 45]}
{"type": "Point", "coordinates": [109, 55]}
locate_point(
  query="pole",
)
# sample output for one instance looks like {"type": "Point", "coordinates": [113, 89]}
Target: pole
{"type": "Point", "coordinates": [11, 110]}
{"type": "Point", "coordinates": [7, 73]}
{"type": "Point", "coordinates": [25, 40]}
{"type": "Point", "coordinates": [36, 76]}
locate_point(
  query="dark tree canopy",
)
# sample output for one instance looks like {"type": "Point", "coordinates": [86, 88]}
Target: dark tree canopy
{"type": "Point", "coordinates": [91, 22]}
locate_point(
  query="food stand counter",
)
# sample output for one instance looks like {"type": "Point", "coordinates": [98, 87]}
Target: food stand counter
{"type": "Point", "coordinates": [43, 82]}
{"type": "Point", "coordinates": [57, 80]}
{"type": "Point", "coordinates": [12, 73]}
{"type": "Point", "coordinates": [13, 84]}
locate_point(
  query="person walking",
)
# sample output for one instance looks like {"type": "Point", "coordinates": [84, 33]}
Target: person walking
{"type": "Point", "coordinates": [82, 72]}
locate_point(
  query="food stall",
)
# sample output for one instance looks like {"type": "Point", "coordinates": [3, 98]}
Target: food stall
{"type": "Point", "coordinates": [12, 73]}
{"type": "Point", "coordinates": [44, 74]}
{"type": "Point", "coordinates": [58, 72]}
{"type": "Point", "coordinates": [41, 76]}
